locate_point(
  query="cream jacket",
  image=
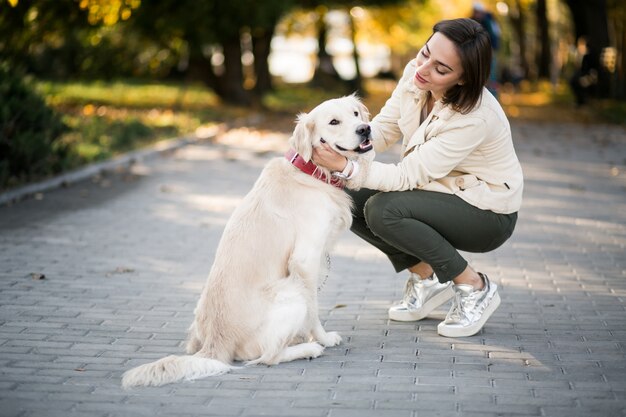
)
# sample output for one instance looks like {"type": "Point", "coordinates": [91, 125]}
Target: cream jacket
{"type": "Point", "coordinates": [469, 155]}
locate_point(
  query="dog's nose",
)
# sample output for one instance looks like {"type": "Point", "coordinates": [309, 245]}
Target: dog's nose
{"type": "Point", "coordinates": [363, 131]}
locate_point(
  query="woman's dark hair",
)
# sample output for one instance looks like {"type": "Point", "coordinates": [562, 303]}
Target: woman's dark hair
{"type": "Point", "coordinates": [474, 48]}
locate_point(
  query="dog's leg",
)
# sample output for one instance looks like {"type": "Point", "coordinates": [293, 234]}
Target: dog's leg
{"type": "Point", "coordinates": [284, 321]}
{"type": "Point", "coordinates": [325, 338]}
{"type": "Point", "coordinates": [194, 344]}
{"type": "Point", "coordinates": [305, 263]}
{"type": "Point", "coordinates": [195, 334]}
{"type": "Point", "coordinates": [301, 351]}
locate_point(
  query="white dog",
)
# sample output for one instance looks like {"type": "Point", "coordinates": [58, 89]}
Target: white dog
{"type": "Point", "coordinates": [259, 303]}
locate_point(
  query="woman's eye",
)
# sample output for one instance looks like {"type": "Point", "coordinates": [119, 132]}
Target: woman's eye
{"type": "Point", "coordinates": [334, 122]}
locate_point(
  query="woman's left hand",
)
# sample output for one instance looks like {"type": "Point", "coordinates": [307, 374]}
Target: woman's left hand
{"type": "Point", "coordinates": [326, 157]}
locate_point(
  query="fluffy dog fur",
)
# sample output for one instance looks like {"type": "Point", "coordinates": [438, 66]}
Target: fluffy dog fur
{"type": "Point", "coordinates": [259, 303]}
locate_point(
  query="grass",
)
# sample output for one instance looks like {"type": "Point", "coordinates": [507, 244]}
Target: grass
{"type": "Point", "coordinates": [130, 94]}
{"type": "Point", "coordinates": [544, 102]}
{"type": "Point", "coordinates": [110, 118]}
{"type": "Point", "coordinates": [107, 119]}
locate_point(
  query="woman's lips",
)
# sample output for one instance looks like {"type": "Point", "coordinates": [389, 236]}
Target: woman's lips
{"type": "Point", "coordinates": [419, 78]}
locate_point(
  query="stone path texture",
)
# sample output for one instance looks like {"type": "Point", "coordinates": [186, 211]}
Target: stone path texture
{"type": "Point", "coordinates": [103, 275]}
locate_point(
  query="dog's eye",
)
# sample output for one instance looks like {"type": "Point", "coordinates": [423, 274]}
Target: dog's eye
{"type": "Point", "coordinates": [356, 113]}
{"type": "Point", "coordinates": [334, 122]}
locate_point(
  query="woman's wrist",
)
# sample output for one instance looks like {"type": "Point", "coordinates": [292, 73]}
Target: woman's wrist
{"type": "Point", "coordinates": [342, 167]}
{"type": "Point", "coordinates": [346, 171]}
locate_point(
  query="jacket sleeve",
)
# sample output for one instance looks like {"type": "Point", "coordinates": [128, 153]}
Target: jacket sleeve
{"type": "Point", "coordinates": [434, 159]}
{"type": "Point", "coordinates": [385, 128]}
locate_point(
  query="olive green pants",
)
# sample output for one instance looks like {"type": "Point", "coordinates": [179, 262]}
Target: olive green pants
{"type": "Point", "coordinates": [418, 225]}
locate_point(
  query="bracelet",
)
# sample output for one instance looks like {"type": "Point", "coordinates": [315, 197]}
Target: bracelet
{"type": "Point", "coordinates": [355, 170]}
{"type": "Point", "coordinates": [347, 171]}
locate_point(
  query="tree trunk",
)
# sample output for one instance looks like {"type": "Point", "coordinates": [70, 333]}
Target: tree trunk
{"type": "Point", "coordinates": [357, 82]}
{"type": "Point", "coordinates": [590, 21]}
{"type": "Point", "coordinates": [200, 68]}
{"type": "Point", "coordinates": [232, 80]}
{"type": "Point", "coordinates": [325, 73]}
{"type": "Point", "coordinates": [518, 22]}
{"type": "Point", "coordinates": [620, 67]}
{"type": "Point", "coordinates": [543, 40]}
{"type": "Point", "coordinates": [261, 43]}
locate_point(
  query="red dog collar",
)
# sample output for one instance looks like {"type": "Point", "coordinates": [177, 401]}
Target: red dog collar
{"type": "Point", "coordinates": [311, 169]}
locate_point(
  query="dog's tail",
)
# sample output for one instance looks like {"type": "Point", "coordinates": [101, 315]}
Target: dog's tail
{"type": "Point", "coordinates": [173, 368]}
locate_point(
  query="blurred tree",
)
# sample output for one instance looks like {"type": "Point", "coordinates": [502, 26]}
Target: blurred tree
{"type": "Point", "coordinates": [262, 25]}
{"type": "Point", "coordinates": [543, 54]}
{"type": "Point", "coordinates": [616, 63]}
{"type": "Point", "coordinates": [128, 37]}
{"type": "Point", "coordinates": [325, 73]}
{"type": "Point", "coordinates": [591, 22]}
{"type": "Point", "coordinates": [31, 32]}
{"type": "Point", "coordinates": [517, 18]}
{"type": "Point", "coordinates": [211, 32]}
{"type": "Point", "coordinates": [108, 12]}
{"type": "Point", "coordinates": [54, 39]}
{"type": "Point", "coordinates": [206, 29]}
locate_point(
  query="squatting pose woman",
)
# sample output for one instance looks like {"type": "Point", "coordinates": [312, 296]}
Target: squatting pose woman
{"type": "Point", "coordinates": [458, 186]}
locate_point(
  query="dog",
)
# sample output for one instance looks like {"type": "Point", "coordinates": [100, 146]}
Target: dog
{"type": "Point", "coordinates": [259, 304]}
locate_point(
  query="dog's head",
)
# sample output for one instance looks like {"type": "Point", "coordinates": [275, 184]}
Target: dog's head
{"type": "Point", "coordinates": [342, 123]}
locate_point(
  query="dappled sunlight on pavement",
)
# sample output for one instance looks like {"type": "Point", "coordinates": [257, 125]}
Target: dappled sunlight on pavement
{"type": "Point", "coordinates": [123, 266]}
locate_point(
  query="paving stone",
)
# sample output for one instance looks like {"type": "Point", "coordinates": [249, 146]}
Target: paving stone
{"type": "Point", "coordinates": [125, 265]}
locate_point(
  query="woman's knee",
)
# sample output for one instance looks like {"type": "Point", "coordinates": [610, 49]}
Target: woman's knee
{"type": "Point", "coordinates": [376, 211]}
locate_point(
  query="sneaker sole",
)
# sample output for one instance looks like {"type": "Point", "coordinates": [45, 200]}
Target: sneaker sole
{"type": "Point", "coordinates": [475, 328]}
{"type": "Point", "coordinates": [426, 309]}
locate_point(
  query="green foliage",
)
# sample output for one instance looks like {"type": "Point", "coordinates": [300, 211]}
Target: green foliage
{"type": "Point", "coordinates": [108, 118]}
{"type": "Point", "coordinates": [291, 99]}
{"type": "Point", "coordinates": [29, 133]}
{"type": "Point", "coordinates": [613, 111]}
{"type": "Point", "coordinates": [134, 94]}
{"type": "Point", "coordinates": [98, 138]}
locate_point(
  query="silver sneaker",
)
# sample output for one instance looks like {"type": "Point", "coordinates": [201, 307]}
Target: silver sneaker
{"type": "Point", "coordinates": [421, 297]}
{"type": "Point", "coordinates": [470, 309]}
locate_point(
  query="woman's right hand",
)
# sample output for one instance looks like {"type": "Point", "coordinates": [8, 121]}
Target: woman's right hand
{"type": "Point", "coordinates": [326, 157]}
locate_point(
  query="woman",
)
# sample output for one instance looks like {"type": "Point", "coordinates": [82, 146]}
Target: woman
{"type": "Point", "coordinates": [458, 185]}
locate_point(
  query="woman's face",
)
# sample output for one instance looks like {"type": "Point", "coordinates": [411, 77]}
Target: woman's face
{"type": "Point", "coordinates": [438, 66]}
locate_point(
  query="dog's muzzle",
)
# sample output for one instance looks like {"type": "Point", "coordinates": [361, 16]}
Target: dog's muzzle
{"type": "Point", "coordinates": [365, 133]}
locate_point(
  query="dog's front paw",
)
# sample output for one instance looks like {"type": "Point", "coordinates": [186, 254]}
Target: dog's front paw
{"type": "Point", "coordinates": [330, 339]}
{"type": "Point", "coordinates": [315, 350]}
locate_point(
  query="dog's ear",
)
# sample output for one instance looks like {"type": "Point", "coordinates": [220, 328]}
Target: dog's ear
{"type": "Point", "coordinates": [364, 113]}
{"type": "Point", "coordinates": [302, 137]}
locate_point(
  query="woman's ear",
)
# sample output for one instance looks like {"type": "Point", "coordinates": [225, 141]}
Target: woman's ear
{"type": "Point", "coordinates": [301, 139]}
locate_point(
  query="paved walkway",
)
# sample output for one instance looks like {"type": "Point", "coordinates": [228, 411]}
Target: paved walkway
{"type": "Point", "coordinates": [124, 258]}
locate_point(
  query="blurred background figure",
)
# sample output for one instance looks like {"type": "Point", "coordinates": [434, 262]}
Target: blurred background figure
{"type": "Point", "coordinates": [586, 75]}
{"type": "Point", "coordinates": [488, 21]}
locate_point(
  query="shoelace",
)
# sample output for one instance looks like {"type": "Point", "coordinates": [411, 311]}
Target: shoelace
{"type": "Point", "coordinates": [458, 307]}
{"type": "Point", "coordinates": [456, 312]}
{"type": "Point", "coordinates": [410, 293]}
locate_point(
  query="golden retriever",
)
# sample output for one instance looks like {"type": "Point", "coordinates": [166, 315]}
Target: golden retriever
{"type": "Point", "coordinates": [259, 304]}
